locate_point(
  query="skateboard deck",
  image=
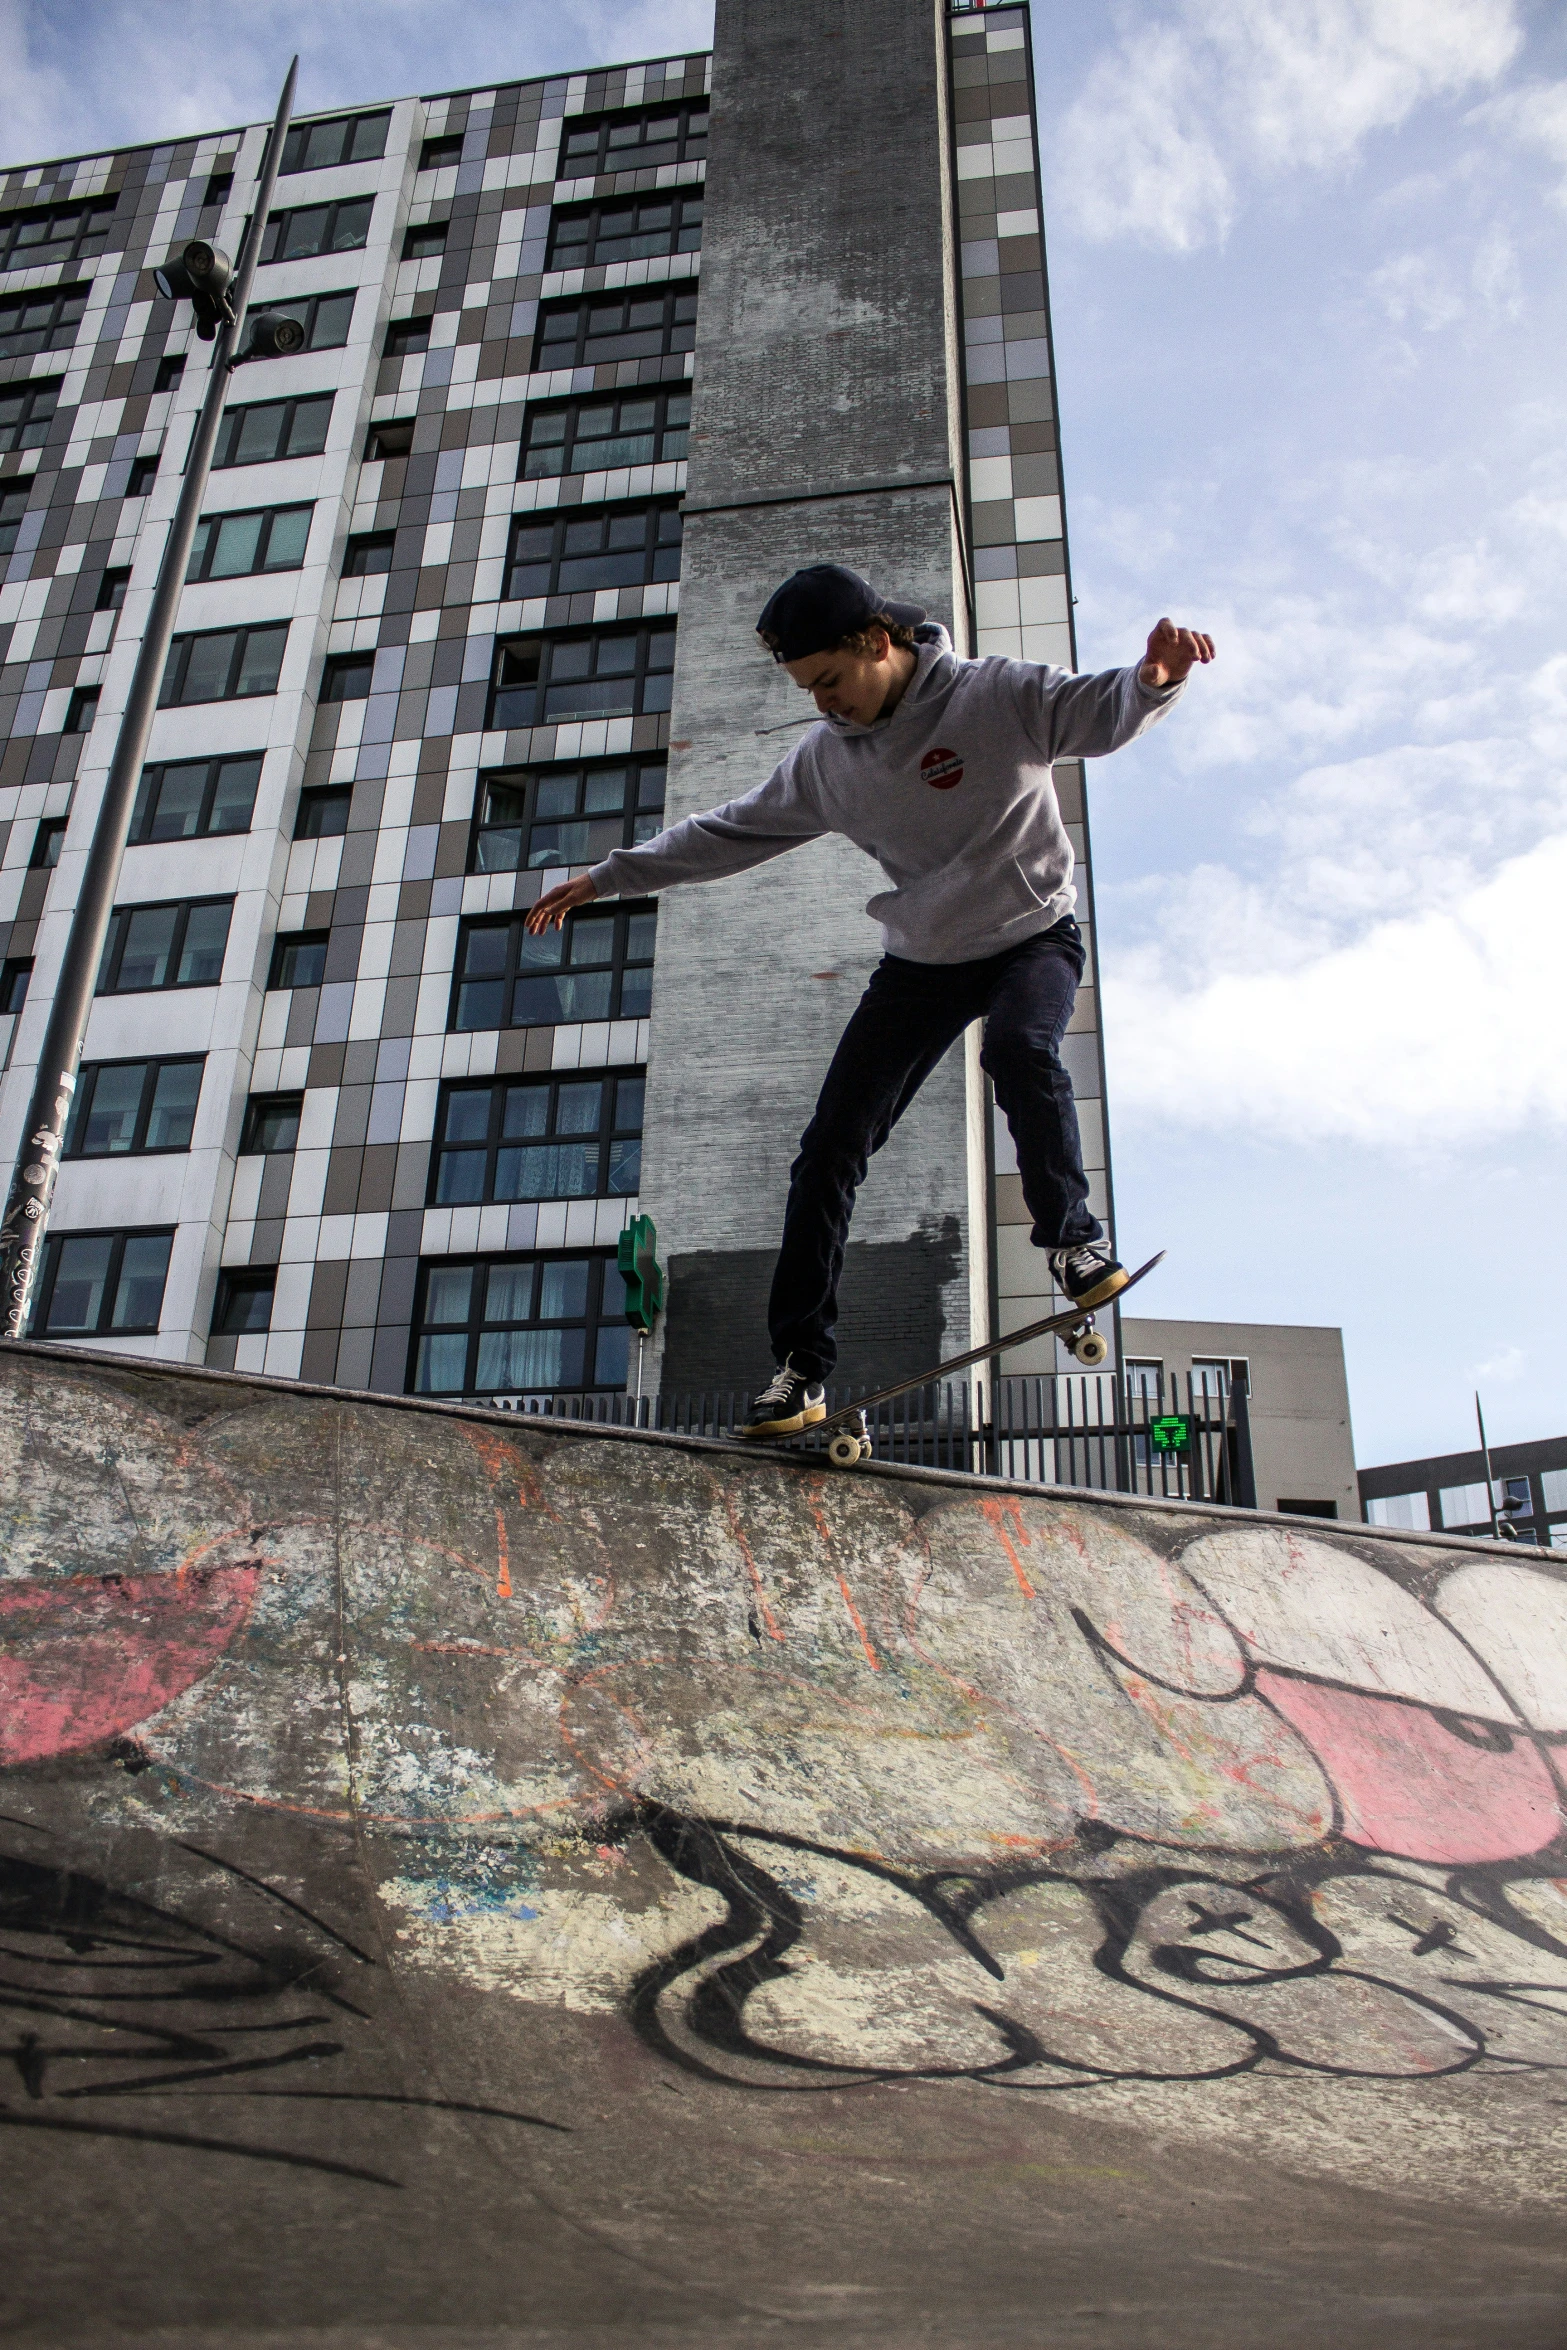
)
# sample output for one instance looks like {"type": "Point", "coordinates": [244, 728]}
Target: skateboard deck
{"type": "Point", "coordinates": [848, 1440]}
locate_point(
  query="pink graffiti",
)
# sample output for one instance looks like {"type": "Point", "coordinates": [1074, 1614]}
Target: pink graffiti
{"type": "Point", "coordinates": [87, 1658]}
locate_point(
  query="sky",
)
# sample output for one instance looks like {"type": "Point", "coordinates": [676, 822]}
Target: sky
{"type": "Point", "coordinates": [1307, 268]}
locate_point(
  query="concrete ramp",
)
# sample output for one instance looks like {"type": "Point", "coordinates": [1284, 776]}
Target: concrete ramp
{"type": "Point", "coordinates": [470, 1882]}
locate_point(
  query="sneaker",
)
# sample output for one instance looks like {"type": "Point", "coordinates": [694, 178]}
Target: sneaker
{"type": "Point", "coordinates": [1089, 1275]}
{"type": "Point", "coordinates": [788, 1403]}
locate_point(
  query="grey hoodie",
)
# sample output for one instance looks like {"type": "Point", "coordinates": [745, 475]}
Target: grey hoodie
{"type": "Point", "coordinates": [951, 794]}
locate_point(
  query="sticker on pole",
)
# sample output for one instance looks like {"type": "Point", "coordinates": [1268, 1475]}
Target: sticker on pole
{"type": "Point", "coordinates": [1173, 1433]}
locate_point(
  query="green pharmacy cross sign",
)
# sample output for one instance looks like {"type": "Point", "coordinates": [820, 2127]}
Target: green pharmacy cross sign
{"type": "Point", "coordinates": [641, 1272]}
{"type": "Point", "coordinates": [1173, 1433]}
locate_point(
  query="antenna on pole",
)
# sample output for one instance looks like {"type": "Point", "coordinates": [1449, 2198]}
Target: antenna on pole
{"type": "Point", "coordinates": [1490, 1481]}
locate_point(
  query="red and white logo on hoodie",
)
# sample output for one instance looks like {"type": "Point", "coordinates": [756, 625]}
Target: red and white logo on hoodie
{"type": "Point", "coordinates": [941, 769]}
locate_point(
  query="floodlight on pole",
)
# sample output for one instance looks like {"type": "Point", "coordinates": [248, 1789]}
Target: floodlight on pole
{"type": "Point", "coordinates": [218, 292]}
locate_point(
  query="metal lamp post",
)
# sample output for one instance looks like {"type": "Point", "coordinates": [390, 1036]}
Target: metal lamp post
{"type": "Point", "coordinates": [201, 275]}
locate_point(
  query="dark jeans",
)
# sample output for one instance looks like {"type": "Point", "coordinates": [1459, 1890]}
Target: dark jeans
{"type": "Point", "coordinates": [907, 1018]}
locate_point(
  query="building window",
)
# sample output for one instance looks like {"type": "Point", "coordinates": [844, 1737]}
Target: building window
{"type": "Point", "coordinates": [313, 229]}
{"type": "Point", "coordinates": [368, 554]}
{"type": "Point", "coordinates": [143, 473]}
{"type": "Point", "coordinates": [1217, 1376]}
{"type": "Point", "coordinates": [348, 138]}
{"type": "Point", "coordinates": [1308, 1509]}
{"type": "Point", "coordinates": [224, 664]}
{"type": "Point", "coordinates": [565, 815]}
{"type": "Point", "coordinates": [1144, 1379]}
{"type": "Point", "coordinates": [15, 977]}
{"type": "Point", "coordinates": [324, 317]}
{"type": "Point", "coordinates": [234, 546]}
{"type": "Point", "coordinates": [1553, 1482]}
{"type": "Point", "coordinates": [591, 234]}
{"type": "Point", "coordinates": [102, 1284]}
{"type": "Point", "coordinates": [170, 369]}
{"type": "Point", "coordinates": [347, 676]}
{"type": "Point", "coordinates": [590, 436]}
{"type": "Point", "coordinates": [615, 326]}
{"type": "Point", "coordinates": [520, 1325]}
{"type": "Point", "coordinates": [219, 188]}
{"type": "Point", "coordinates": [599, 967]}
{"type": "Point", "coordinates": [423, 243]}
{"type": "Point", "coordinates": [1465, 1505]}
{"type": "Point", "coordinates": [190, 799]}
{"type": "Point", "coordinates": [122, 1108]}
{"type": "Point", "coordinates": [111, 590]}
{"type": "Point", "coordinates": [298, 958]}
{"type": "Point", "coordinates": [26, 413]}
{"type": "Point", "coordinates": [570, 551]}
{"type": "Point", "coordinates": [405, 337]}
{"type": "Point", "coordinates": [43, 321]}
{"type": "Point", "coordinates": [393, 439]}
{"type": "Point", "coordinates": [643, 141]}
{"type": "Point", "coordinates": [323, 811]}
{"type": "Point", "coordinates": [82, 709]}
{"type": "Point", "coordinates": [271, 1124]}
{"type": "Point", "coordinates": [13, 505]}
{"type": "Point", "coordinates": [598, 674]}
{"type": "Point", "coordinates": [243, 1305]}
{"type": "Point", "coordinates": [1409, 1510]}
{"type": "Point", "coordinates": [180, 944]}
{"type": "Point", "coordinates": [267, 429]}
{"type": "Point", "coordinates": [440, 154]}
{"type": "Point", "coordinates": [48, 841]}
{"type": "Point", "coordinates": [576, 1137]}
{"type": "Point", "coordinates": [53, 233]}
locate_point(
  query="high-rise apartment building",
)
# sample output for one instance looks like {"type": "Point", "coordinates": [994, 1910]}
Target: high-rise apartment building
{"type": "Point", "coordinates": [590, 363]}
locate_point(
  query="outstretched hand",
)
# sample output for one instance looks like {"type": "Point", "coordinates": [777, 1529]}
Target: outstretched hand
{"type": "Point", "coordinates": [1173, 653]}
{"type": "Point", "coordinates": [550, 911]}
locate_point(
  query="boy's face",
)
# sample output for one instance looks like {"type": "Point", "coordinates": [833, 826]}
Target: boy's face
{"type": "Point", "coordinates": [850, 685]}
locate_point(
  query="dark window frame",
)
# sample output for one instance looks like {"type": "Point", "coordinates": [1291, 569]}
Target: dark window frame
{"type": "Point", "coordinates": [290, 942]}
{"type": "Point", "coordinates": [87, 212]}
{"type": "Point", "coordinates": [648, 566]}
{"type": "Point", "coordinates": [339, 666]}
{"type": "Point", "coordinates": [375, 454]}
{"type": "Point", "coordinates": [431, 233]}
{"type": "Point", "coordinates": [219, 188]}
{"type": "Point", "coordinates": [541, 699]}
{"type": "Point", "coordinates": [691, 140]}
{"type": "Point", "coordinates": [183, 908]}
{"type": "Point", "coordinates": [19, 342]}
{"type": "Point", "coordinates": [441, 152]}
{"type": "Point", "coordinates": [105, 1326]}
{"type": "Point", "coordinates": [258, 1108]}
{"type": "Point", "coordinates": [302, 134]}
{"type": "Point", "coordinates": [202, 551]}
{"type": "Point", "coordinates": [446, 1190]}
{"type": "Point", "coordinates": [171, 368]}
{"type": "Point", "coordinates": [542, 790]}
{"type": "Point", "coordinates": [152, 1068]}
{"type": "Point", "coordinates": [13, 507]}
{"type": "Point", "coordinates": [336, 796]}
{"type": "Point", "coordinates": [524, 962]}
{"type": "Point", "coordinates": [237, 1283]}
{"type": "Point", "coordinates": [170, 697]}
{"type": "Point", "coordinates": [610, 239]}
{"type": "Point", "coordinates": [16, 974]}
{"type": "Point", "coordinates": [142, 475]}
{"type": "Point", "coordinates": [36, 404]}
{"type": "Point", "coordinates": [308, 308]}
{"type": "Point", "coordinates": [232, 428]}
{"type": "Point", "coordinates": [81, 711]}
{"type": "Point", "coordinates": [48, 841]}
{"type": "Point", "coordinates": [112, 585]}
{"type": "Point", "coordinates": [674, 332]}
{"type": "Point", "coordinates": [393, 348]}
{"type": "Point", "coordinates": [573, 446]}
{"type": "Point", "coordinates": [278, 224]}
{"type": "Point", "coordinates": [144, 815]}
{"type": "Point", "coordinates": [603, 1311]}
{"type": "Point", "coordinates": [361, 542]}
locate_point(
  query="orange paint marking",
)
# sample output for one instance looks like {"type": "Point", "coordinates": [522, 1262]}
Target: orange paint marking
{"type": "Point", "coordinates": [855, 1618]}
{"type": "Point", "coordinates": [503, 1568]}
{"type": "Point", "coordinates": [738, 1531]}
{"type": "Point", "coordinates": [994, 1511]}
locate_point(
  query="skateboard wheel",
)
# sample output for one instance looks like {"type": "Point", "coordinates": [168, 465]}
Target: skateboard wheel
{"type": "Point", "coordinates": [844, 1450]}
{"type": "Point", "coordinates": [1091, 1348]}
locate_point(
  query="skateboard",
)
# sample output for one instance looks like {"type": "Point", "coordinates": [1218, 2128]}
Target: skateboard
{"type": "Point", "coordinates": [848, 1440]}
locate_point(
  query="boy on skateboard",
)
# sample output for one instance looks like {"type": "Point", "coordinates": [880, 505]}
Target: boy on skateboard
{"type": "Point", "coordinates": [940, 769]}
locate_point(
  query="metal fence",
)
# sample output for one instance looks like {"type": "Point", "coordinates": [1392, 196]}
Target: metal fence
{"type": "Point", "coordinates": [1181, 1441]}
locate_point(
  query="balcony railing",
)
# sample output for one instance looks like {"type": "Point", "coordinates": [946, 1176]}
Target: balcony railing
{"type": "Point", "coordinates": [1087, 1431]}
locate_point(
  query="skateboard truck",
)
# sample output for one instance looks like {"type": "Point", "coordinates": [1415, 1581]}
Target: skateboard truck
{"type": "Point", "coordinates": [850, 1444]}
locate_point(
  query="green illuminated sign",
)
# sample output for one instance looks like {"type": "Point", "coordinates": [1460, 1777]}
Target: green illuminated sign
{"type": "Point", "coordinates": [1171, 1434]}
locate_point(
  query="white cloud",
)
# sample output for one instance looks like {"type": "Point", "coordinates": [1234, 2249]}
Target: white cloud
{"type": "Point", "coordinates": [1534, 117]}
{"type": "Point", "coordinates": [1440, 1029]}
{"type": "Point", "coordinates": [1171, 121]}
